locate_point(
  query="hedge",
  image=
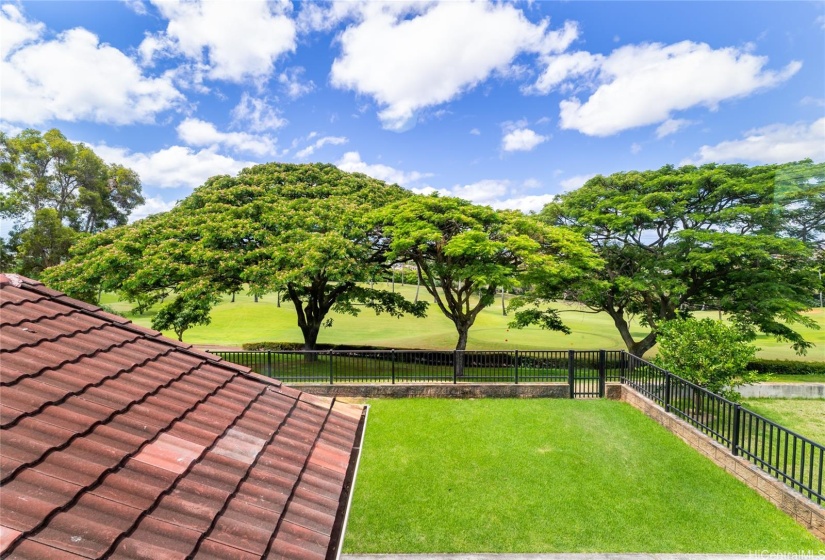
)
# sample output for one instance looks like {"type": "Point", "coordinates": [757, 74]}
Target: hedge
{"type": "Point", "coordinates": [787, 367]}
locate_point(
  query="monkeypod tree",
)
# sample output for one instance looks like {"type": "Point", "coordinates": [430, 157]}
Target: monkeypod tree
{"type": "Point", "coordinates": [676, 238]}
{"type": "Point", "coordinates": [464, 253]}
{"type": "Point", "coordinates": [300, 229]}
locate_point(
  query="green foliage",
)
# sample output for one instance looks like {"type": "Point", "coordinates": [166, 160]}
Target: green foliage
{"type": "Point", "coordinates": [787, 367]}
{"type": "Point", "coordinates": [40, 172]}
{"type": "Point", "coordinates": [677, 238]}
{"type": "Point", "coordinates": [547, 319]}
{"type": "Point", "coordinates": [707, 352]}
{"type": "Point", "coordinates": [300, 229]}
{"type": "Point", "coordinates": [465, 253]}
{"type": "Point", "coordinates": [43, 244]}
{"type": "Point", "coordinates": [183, 313]}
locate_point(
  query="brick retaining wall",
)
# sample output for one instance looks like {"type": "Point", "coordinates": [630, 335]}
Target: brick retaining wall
{"type": "Point", "coordinates": [804, 511]}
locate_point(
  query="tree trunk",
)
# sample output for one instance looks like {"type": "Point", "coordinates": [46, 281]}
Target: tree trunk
{"type": "Point", "coordinates": [639, 348]}
{"type": "Point", "coordinates": [310, 333]}
{"type": "Point", "coordinates": [503, 308]}
{"type": "Point", "coordinates": [278, 299]}
{"type": "Point", "coordinates": [460, 347]}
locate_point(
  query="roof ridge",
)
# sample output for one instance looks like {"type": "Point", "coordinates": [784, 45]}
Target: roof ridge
{"type": "Point", "coordinates": [18, 281]}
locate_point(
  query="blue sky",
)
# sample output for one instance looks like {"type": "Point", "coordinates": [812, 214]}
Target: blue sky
{"type": "Point", "coordinates": [504, 104]}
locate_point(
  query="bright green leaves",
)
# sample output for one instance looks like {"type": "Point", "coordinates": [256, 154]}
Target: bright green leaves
{"type": "Point", "coordinates": [707, 352]}
{"type": "Point", "coordinates": [466, 253]}
{"type": "Point", "coordinates": [713, 235]}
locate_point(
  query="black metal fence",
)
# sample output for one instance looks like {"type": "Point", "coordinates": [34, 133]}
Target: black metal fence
{"type": "Point", "coordinates": [585, 371]}
{"type": "Point", "coordinates": [794, 459]}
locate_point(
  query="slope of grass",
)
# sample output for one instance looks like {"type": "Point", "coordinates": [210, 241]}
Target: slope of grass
{"type": "Point", "coordinates": [497, 475]}
{"type": "Point", "coordinates": [246, 321]}
{"type": "Point", "coordinates": [804, 416]}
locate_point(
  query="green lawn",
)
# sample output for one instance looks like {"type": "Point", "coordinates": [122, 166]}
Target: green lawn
{"type": "Point", "coordinates": [499, 475]}
{"type": "Point", "coordinates": [245, 321]}
{"type": "Point", "coordinates": [811, 378]}
{"type": "Point", "coordinates": [804, 416]}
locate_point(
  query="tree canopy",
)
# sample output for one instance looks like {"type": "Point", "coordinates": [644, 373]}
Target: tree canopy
{"type": "Point", "coordinates": [464, 253]}
{"type": "Point", "coordinates": [51, 188]}
{"type": "Point", "coordinates": [301, 229]}
{"type": "Point", "coordinates": [677, 238]}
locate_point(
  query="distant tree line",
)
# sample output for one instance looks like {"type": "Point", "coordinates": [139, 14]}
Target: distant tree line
{"type": "Point", "coordinates": [649, 245]}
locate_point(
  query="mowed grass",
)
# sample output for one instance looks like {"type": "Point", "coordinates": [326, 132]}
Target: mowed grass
{"type": "Point", "coordinates": [542, 475]}
{"type": "Point", "coordinates": [804, 416]}
{"type": "Point", "coordinates": [234, 324]}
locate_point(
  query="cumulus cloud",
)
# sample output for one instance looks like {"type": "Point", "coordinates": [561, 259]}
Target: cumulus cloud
{"type": "Point", "coordinates": [294, 86]}
{"type": "Point", "coordinates": [777, 143]}
{"type": "Point", "coordinates": [320, 143]}
{"type": "Point", "coordinates": [671, 126]}
{"type": "Point", "coordinates": [196, 132]}
{"type": "Point", "coordinates": [73, 77]}
{"type": "Point", "coordinates": [639, 85]}
{"type": "Point", "coordinates": [256, 114]}
{"type": "Point", "coordinates": [351, 162]}
{"type": "Point", "coordinates": [235, 40]}
{"type": "Point", "coordinates": [521, 139]}
{"type": "Point", "coordinates": [410, 56]}
{"type": "Point", "coordinates": [173, 167]}
{"type": "Point", "coordinates": [576, 181]}
{"type": "Point", "coordinates": [497, 193]}
{"type": "Point", "coordinates": [153, 205]}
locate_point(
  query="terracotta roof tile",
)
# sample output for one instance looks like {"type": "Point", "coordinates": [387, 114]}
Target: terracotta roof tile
{"type": "Point", "coordinates": [119, 442]}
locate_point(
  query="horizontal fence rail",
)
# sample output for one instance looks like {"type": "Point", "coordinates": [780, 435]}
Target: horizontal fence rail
{"type": "Point", "coordinates": [782, 453]}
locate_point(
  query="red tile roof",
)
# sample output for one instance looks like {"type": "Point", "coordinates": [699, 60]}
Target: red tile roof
{"type": "Point", "coordinates": [118, 442]}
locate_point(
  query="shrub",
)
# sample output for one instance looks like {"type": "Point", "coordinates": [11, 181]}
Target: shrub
{"type": "Point", "coordinates": [787, 367]}
{"type": "Point", "coordinates": [709, 353]}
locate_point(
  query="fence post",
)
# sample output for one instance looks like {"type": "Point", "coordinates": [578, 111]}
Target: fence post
{"type": "Point", "coordinates": [269, 363]}
{"type": "Point", "coordinates": [571, 357]}
{"type": "Point", "coordinates": [668, 384]}
{"type": "Point", "coordinates": [392, 355]}
{"type": "Point", "coordinates": [516, 368]}
{"type": "Point", "coordinates": [734, 440]}
{"type": "Point", "coordinates": [330, 368]}
{"type": "Point", "coordinates": [622, 366]}
{"type": "Point", "coordinates": [455, 366]}
{"type": "Point", "coordinates": [602, 372]}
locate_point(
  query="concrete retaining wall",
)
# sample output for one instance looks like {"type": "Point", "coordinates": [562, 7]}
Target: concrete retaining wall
{"type": "Point", "coordinates": [803, 510]}
{"type": "Point", "coordinates": [783, 390]}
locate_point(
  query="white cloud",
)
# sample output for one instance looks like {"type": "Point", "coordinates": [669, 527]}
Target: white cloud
{"type": "Point", "coordinates": [521, 139]}
{"type": "Point", "coordinates": [481, 192]}
{"type": "Point", "coordinates": [777, 143]}
{"type": "Point", "coordinates": [635, 148]}
{"type": "Point", "coordinates": [563, 67]}
{"type": "Point", "coordinates": [256, 114]}
{"type": "Point", "coordinates": [351, 162]}
{"type": "Point", "coordinates": [17, 30]}
{"type": "Point", "coordinates": [196, 132]}
{"type": "Point", "coordinates": [528, 203]}
{"type": "Point", "coordinates": [531, 183]}
{"type": "Point", "coordinates": [576, 181]}
{"type": "Point", "coordinates": [671, 126]}
{"type": "Point", "coordinates": [173, 167]}
{"type": "Point", "coordinates": [475, 132]}
{"type": "Point", "coordinates": [638, 85]}
{"type": "Point", "coordinates": [411, 56]}
{"type": "Point", "coordinates": [290, 80]}
{"type": "Point", "coordinates": [153, 205]}
{"type": "Point", "coordinates": [74, 77]}
{"type": "Point", "coordinates": [320, 143]}
{"type": "Point", "coordinates": [812, 101]}
{"type": "Point", "coordinates": [236, 40]}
